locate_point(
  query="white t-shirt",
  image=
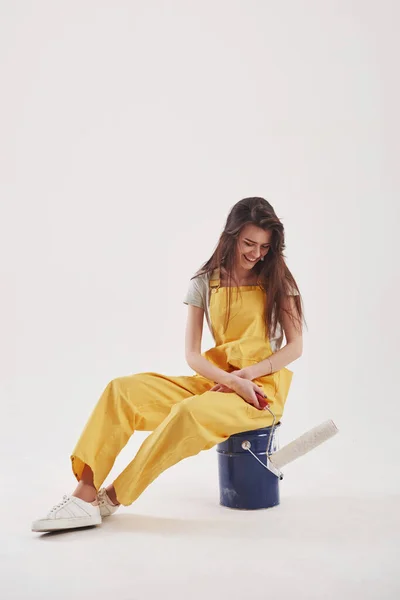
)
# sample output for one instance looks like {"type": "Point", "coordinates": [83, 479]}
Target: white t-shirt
{"type": "Point", "coordinates": [198, 294]}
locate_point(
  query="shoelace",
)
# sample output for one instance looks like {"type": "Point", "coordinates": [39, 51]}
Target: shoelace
{"type": "Point", "coordinates": [60, 504]}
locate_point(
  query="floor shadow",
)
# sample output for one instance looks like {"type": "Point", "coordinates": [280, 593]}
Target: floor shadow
{"type": "Point", "coordinates": [312, 518]}
{"type": "Point", "coordinates": [46, 535]}
{"type": "Point", "coordinates": [168, 526]}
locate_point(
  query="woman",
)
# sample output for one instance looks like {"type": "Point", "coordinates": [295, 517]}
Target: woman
{"type": "Point", "coordinates": [250, 299]}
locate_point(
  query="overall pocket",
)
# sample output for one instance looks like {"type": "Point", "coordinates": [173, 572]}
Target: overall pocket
{"type": "Point", "coordinates": [247, 351]}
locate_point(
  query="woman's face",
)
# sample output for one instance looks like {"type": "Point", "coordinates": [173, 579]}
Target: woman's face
{"type": "Point", "coordinates": [253, 244]}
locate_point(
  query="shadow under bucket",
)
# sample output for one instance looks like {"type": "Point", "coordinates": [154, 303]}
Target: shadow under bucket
{"type": "Point", "coordinates": [243, 482]}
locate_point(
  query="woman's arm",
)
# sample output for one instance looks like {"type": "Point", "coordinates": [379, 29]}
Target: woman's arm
{"type": "Point", "coordinates": [290, 352]}
{"type": "Point", "coordinates": [197, 362]}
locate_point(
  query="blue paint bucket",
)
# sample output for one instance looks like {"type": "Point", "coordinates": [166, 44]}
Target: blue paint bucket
{"type": "Point", "coordinates": [243, 482]}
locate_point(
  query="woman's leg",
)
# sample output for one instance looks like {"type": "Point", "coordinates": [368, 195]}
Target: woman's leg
{"type": "Point", "coordinates": [194, 424]}
{"type": "Point", "coordinates": [85, 489]}
{"type": "Point", "coordinates": [135, 402]}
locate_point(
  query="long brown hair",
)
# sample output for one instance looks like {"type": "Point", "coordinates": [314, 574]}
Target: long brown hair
{"type": "Point", "coordinates": [273, 273]}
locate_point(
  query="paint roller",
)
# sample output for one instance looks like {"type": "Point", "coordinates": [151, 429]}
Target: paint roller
{"type": "Point", "coordinates": [298, 447]}
{"type": "Point", "coordinates": [303, 444]}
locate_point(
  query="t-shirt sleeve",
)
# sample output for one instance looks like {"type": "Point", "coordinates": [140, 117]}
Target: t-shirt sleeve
{"type": "Point", "coordinates": [194, 295]}
{"type": "Point", "coordinates": [291, 290]}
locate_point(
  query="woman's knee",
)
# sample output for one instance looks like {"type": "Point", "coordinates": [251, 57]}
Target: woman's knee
{"type": "Point", "coordinates": [126, 390]}
{"type": "Point", "coordinates": [194, 407]}
{"type": "Point", "coordinates": [125, 384]}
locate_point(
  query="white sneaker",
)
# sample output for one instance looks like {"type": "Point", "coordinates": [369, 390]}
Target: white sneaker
{"type": "Point", "coordinates": [107, 508]}
{"type": "Point", "coordinates": [71, 512]}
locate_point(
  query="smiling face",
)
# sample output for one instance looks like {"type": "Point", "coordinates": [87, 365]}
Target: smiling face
{"type": "Point", "coordinates": [253, 244]}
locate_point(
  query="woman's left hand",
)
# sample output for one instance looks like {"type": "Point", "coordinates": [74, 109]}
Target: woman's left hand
{"type": "Point", "coordinates": [244, 373]}
{"type": "Point", "coordinates": [220, 387]}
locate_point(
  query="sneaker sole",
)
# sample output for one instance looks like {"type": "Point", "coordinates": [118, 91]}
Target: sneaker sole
{"type": "Point", "coordinates": [60, 524]}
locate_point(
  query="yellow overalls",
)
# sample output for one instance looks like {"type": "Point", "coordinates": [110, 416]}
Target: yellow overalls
{"type": "Point", "coordinates": [183, 415]}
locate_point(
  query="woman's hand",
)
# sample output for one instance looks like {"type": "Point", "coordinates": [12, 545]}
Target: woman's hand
{"type": "Point", "coordinates": [245, 388]}
{"type": "Point", "coordinates": [243, 373]}
{"type": "Point", "coordinates": [249, 391]}
{"type": "Point", "coordinates": [220, 387]}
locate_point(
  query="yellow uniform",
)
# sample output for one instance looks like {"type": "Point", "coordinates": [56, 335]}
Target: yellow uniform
{"type": "Point", "coordinates": [182, 414]}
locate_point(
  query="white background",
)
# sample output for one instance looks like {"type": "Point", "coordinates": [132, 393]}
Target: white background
{"type": "Point", "coordinates": [128, 131]}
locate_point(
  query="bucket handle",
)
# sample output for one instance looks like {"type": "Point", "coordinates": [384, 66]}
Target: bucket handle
{"type": "Point", "coordinates": [246, 445]}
